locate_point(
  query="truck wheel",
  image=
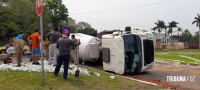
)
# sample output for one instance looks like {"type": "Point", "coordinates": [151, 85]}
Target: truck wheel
{"type": "Point", "coordinates": [25, 52]}
{"type": "Point", "coordinates": [7, 61]}
{"type": "Point", "coordinates": [3, 51]}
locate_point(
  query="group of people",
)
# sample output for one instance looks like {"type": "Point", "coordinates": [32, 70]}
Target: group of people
{"type": "Point", "coordinates": [57, 49]}
{"type": "Point", "coordinates": [34, 42]}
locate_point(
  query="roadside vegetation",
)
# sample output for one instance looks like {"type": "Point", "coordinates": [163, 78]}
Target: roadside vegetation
{"type": "Point", "coordinates": [20, 15]}
{"type": "Point", "coordinates": [10, 80]}
{"type": "Point", "coordinates": [185, 56]}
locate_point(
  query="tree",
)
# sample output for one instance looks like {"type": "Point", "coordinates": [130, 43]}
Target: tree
{"type": "Point", "coordinates": [159, 26]}
{"type": "Point", "coordinates": [88, 31]}
{"type": "Point", "coordinates": [7, 26]}
{"type": "Point", "coordinates": [20, 15]}
{"type": "Point", "coordinates": [195, 38]}
{"type": "Point", "coordinates": [72, 24]}
{"type": "Point", "coordinates": [57, 11]}
{"type": "Point", "coordinates": [186, 37]}
{"type": "Point", "coordinates": [13, 20]}
{"type": "Point", "coordinates": [197, 21]}
{"type": "Point", "coordinates": [84, 27]}
{"type": "Point", "coordinates": [179, 30]}
{"type": "Point", "coordinates": [154, 29]}
{"type": "Point", "coordinates": [172, 25]}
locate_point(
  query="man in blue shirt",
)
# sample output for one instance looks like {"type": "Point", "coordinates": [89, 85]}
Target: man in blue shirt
{"type": "Point", "coordinates": [20, 36]}
{"type": "Point", "coordinates": [19, 45]}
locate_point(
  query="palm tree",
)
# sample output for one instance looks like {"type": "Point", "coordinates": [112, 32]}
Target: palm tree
{"type": "Point", "coordinates": [172, 25]}
{"type": "Point", "coordinates": [179, 30]}
{"type": "Point", "coordinates": [159, 26]}
{"type": "Point", "coordinates": [153, 29]}
{"type": "Point", "coordinates": [197, 21]}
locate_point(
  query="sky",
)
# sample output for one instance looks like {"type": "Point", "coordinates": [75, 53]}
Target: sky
{"type": "Point", "coordinates": [139, 14]}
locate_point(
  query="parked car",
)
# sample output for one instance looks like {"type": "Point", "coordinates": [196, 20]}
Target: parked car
{"type": "Point", "coordinates": [10, 49]}
{"type": "Point", "coordinates": [3, 49]}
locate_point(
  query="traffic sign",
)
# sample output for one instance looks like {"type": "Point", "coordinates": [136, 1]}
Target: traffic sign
{"type": "Point", "coordinates": [39, 7]}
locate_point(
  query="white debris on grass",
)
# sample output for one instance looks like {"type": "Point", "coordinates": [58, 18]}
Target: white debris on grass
{"type": "Point", "coordinates": [47, 68]}
{"type": "Point", "coordinates": [189, 52]}
{"type": "Point", "coordinates": [177, 60]}
{"type": "Point", "coordinates": [97, 74]}
{"type": "Point", "coordinates": [197, 60]}
{"type": "Point", "coordinates": [112, 77]}
{"type": "Point", "coordinates": [162, 53]}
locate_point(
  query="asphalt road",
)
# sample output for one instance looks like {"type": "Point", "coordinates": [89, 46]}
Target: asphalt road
{"type": "Point", "coordinates": [182, 76]}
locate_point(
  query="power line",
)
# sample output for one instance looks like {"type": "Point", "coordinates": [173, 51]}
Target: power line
{"type": "Point", "coordinates": [104, 11]}
{"type": "Point", "coordinates": [113, 22]}
{"type": "Point", "coordinates": [166, 12]}
{"type": "Point", "coordinates": [117, 22]}
{"type": "Point", "coordinates": [132, 25]}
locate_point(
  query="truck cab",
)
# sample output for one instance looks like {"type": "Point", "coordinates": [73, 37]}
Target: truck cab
{"type": "Point", "coordinates": [127, 52]}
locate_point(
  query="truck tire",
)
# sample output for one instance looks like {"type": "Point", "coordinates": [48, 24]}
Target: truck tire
{"type": "Point", "coordinates": [3, 51]}
{"type": "Point", "coordinates": [25, 52]}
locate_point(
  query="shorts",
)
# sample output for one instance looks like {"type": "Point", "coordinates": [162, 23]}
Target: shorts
{"type": "Point", "coordinates": [36, 51]}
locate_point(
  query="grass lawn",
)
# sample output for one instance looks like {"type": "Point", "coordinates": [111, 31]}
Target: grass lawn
{"type": "Point", "coordinates": [16, 80]}
{"type": "Point", "coordinates": [185, 56]}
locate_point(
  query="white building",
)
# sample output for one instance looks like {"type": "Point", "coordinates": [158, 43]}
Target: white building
{"type": "Point", "coordinates": [161, 37]}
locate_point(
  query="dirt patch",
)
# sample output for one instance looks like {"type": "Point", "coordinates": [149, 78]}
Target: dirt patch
{"type": "Point", "coordinates": [158, 82]}
{"type": "Point", "coordinates": [175, 68]}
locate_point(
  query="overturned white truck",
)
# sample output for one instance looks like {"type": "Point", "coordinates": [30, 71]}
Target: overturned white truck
{"type": "Point", "coordinates": [128, 52]}
{"type": "Point", "coordinates": [121, 52]}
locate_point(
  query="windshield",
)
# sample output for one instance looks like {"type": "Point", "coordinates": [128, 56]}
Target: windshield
{"type": "Point", "coordinates": [132, 47]}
